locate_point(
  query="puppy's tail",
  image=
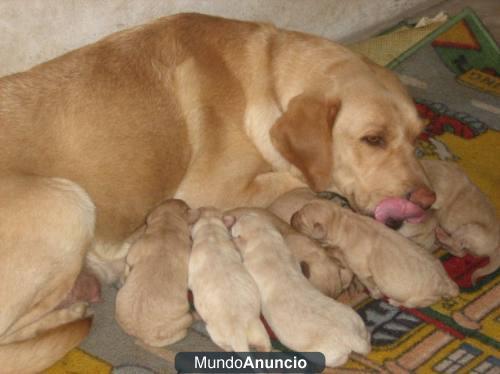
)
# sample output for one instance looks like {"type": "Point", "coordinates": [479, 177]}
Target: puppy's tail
{"type": "Point", "coordinates": [257, 336]}
{"type": "Point", "coordinates": [38, 353]}
{"type": "Point", "coordinates": [492, 266]}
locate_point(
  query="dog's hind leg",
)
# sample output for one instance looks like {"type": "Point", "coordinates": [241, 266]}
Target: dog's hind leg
{"type": "Point", "coordinates": [46, 227]}
{"type": "Point", "coordinates": [36, 354]}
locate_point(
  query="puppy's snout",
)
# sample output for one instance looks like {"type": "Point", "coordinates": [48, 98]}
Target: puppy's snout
{"type": "Point", "coordinates": [422, 196]}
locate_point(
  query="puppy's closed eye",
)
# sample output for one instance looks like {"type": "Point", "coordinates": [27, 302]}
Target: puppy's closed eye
{"type": "Point", "coordinates": [304, 267]}
{"type": "Point", "coordinates": [374, 140]}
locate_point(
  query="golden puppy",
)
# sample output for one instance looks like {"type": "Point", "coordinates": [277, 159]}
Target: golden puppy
{"type": "Point", "coordinates": [302, 318]}
{"type": "Point", "coordinates": [467, 219]}
{"type": "Point", "coordinates": [322, 270]}
{"type": "Point", "coordinates": [153, 304]}
{"type": "Point", "coordinates": [384, 261]}
{"type": "Point", "coordinates": [225, 295]}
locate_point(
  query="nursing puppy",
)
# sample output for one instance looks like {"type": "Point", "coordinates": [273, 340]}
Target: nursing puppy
{"type": "Point", "coordinates": [323, 271]}
{"type": "Point", "coordinates": [467, 219]}
{"type": "Point", "coordinates": [225, 295]}
{"type": "Point", "coordinates": [301, 317]}
{"type": "Point", "coordinates": [153, 304]}
{"type": "Point", "coordinates": [384, 261]}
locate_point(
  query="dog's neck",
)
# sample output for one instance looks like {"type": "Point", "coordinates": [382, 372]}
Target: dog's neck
{"type": "Point", "coordinates": [272, 81]}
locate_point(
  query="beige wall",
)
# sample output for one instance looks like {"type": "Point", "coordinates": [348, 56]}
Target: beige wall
{"type": "Point", "coordinates": [33, 31]}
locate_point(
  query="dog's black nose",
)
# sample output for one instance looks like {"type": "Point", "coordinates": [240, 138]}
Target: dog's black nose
{"type": "Point", "coordinates": [394, 223]}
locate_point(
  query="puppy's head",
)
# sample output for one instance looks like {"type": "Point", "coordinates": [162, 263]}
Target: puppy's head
{"type": "Point", "coordinates": [314, 219]}
{"type": "Point", "coordinates": [209, 212]}
{"type": "Point", "coordinates": [356, 137]}
{"type": "Point", "coordinates": [172, 208]}
{"type": "Point", "coordinates": [169, 207]}
{"type": "Point", "coordinates": [209, 215]}
{"type": "Point", "coordinates": [245, 227]}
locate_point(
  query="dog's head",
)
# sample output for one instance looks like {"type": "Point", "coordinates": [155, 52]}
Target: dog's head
{"type": "Point", "coordinates": [358, 140]}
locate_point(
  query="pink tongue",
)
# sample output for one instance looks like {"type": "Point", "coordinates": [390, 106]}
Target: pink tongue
{"type": "Point", "coordinates": [399, 209]}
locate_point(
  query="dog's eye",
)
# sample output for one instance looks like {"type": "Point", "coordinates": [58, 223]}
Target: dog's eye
{"type": "Point", "coordinates": [373, 140]}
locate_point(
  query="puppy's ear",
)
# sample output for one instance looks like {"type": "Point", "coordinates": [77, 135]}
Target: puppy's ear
{"type": "Point", "coordinates": [303, 136]}
{"type": "Point", "coordinates": [193, 216]}
{"type": "Point", "coordinates": [229, 221]}
{"type": "Point", "coordinates": [318, 231]}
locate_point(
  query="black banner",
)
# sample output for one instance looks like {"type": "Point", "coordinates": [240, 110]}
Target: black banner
{"type": "Point", "coordinates": [249, 362]}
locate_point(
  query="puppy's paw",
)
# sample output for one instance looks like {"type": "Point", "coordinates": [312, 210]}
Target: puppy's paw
{"type": "Point", "coordinates": [447, 241]}
{"type": "Point", "coordinates": [258, 338]}
{"type": "Point", "coordinates": [394, 303]}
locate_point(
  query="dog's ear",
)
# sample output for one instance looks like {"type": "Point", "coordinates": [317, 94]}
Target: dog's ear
{"type": "Point", "coordinates": [303, 136]}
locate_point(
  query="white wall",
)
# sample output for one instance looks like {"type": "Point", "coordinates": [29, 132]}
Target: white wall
{"type": "Point", "coordinates": [33, 31]}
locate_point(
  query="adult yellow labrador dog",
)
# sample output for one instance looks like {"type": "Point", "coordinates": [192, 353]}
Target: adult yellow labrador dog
{"type": "Point", "coordinates": [205, 109]}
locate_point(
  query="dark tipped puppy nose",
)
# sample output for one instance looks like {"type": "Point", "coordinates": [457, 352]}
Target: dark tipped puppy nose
{"type": "Point", "coordinates": [393, 223]}
{"type": "Point", "coordinates": [423, 197]}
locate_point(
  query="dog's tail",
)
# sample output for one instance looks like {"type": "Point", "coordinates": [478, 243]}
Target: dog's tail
{"type": "Point", "coordinates": [257, 336]}
{"type": "Point", "coordinates": [491, 267]}
{"type": "Point", "coordinates": [38, 353]}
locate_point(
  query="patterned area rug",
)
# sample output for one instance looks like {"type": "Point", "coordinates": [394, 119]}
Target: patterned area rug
{"type": "Point", "coordinates": [452, 70]}
{"type": "Point", "coordinates": [453, 74]}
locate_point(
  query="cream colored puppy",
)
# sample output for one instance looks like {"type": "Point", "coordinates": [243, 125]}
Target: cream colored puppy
{"type": "Point", "coordinates": [384, 261]}
{"type": "Point", "coordinates": [152, 305]}
{"type": "Point", "coordinates": [322, 270]}
{"type": "Point", "coordinates": [467, 219]}
{"type": "Point", "coordinates": [301, 317]}
{"type": "Point", "coordinates": [225, 295]}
